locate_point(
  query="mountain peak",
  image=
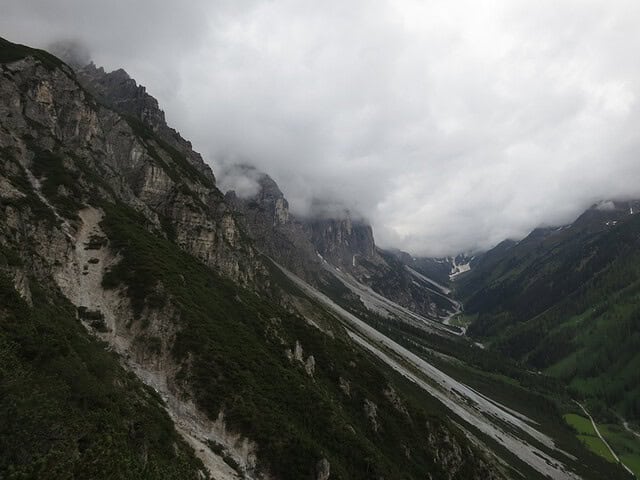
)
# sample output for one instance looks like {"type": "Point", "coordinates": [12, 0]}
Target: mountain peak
{"type": "Point", "coordinates": [122, 93]}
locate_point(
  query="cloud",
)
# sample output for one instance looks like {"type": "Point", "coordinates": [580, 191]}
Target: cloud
{"type": "Point", "coordinates": [448, 125]}
{"type": "Point", "coordinates": [243, 180]}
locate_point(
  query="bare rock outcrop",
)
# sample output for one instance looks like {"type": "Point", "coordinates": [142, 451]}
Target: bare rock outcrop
{"type": "Point", "coordinates": [47, 114]}
{"type": "Point", "coordinates": [323, 470]}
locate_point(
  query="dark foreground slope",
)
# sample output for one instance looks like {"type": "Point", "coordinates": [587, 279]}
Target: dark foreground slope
{"type": "Point", "coordinates": [121, 266]}
{"type": "Point", "coordinates": [67, 407]}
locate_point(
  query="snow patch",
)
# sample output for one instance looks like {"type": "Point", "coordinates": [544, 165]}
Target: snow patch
{"type": "Point", "coordinates": [457, 269]}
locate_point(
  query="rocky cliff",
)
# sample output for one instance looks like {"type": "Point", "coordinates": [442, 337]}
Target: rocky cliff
{"type": "Point", "coordinates": [121, 93]}
{"type": "Point", "coordinates": [342, 240]}
{"type": "Point", "coordinates": [303, 244]}
{"type": "Point", "coordinates": [135, 337]}
{"type": "Point", "coordinates": [85, 151]}
{"type": "Point", "coordinates": [277, 232]}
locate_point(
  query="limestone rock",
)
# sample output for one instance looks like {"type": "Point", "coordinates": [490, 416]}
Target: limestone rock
{"type": "Point", "coordinates": [371, 412]}
{"type": "Point", "coordinates": [310, 365]}
{"type": "Point", "coordinates": [323, 469]}
{"type": "Point", "coordinates": [345, 386]}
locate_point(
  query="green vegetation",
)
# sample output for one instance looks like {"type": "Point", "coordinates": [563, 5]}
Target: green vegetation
{"type": "Point", "coordinates": [597, 446]}
{"type": "Point", "coordinates": [535, 395]}
{"type": "Point", "coordinates": [632, 461]}
{"type": "Point", "coordinates": [32, 202]}
{"type": "Point", "coordinates": [580, 424]}
{"type": "Point", "coordinates": [462, 320]}
{"type": "Point", "coordinates": [59, 183]}
{"type": "Point", "coordinates": [568, 303]}
{"type": "Point", "coordinates": [9, 257]}
{"type": "Point", "coordinates": [235, 345]}
{"type": "Point", "coordinates": [625, 444]}
{"type": "Point", "coordinates": [62, 178]}
{"type": "Point", "coordinates": [587, 435]}
{"type": "Point", "coordinates": [67, 409]}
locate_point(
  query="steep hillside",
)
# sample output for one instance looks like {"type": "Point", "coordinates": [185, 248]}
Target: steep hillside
{"type": "Point", "coordinates": [111, 229]}
{"type": "Point", "coordinates": [67, 407]}
{"type": "Point", "coordinates": [437, 269]}
{"type": "Point", "coordinates": [565, 300]}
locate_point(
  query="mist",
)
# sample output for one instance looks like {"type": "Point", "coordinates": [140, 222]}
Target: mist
{"type": "Point", "coordinates": [449, 126]}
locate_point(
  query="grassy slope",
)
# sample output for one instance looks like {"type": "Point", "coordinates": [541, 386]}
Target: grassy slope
{"type": "Point", "coordinates": [591, 340]}
{"type": "Point", "coordinates": [625, 444]}
{"type": "Point", "coordinates": [587, 434]}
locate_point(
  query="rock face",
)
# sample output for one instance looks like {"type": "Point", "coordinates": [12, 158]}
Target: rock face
{"type": "Point", "coordinates": [118, 90]}
{"type": "Point", "coordinates": [323, 470]}
{"type": "Point", "coordinates": [342, 241]}
{"type": "Point", "coordinates": [303, 244]}
{"type": "Point", "coordinates": [275, 230]}
{"type": "Point", "coordinates": [371, 412]}
{"type": "Point", "coordinates": [50, 122]}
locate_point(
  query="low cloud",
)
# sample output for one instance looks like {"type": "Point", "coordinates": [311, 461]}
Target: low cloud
{"type": "Point", "coordinates": [449, 125]}
{"type": "Point", "coordinates": [243, 180]}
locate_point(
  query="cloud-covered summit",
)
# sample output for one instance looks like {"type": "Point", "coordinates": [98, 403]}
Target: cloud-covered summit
{"type": "Point", "coordinates": [450, 125]}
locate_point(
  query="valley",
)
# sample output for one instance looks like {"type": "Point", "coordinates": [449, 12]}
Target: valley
{"type": "Point", "coordinates": [167, 329]}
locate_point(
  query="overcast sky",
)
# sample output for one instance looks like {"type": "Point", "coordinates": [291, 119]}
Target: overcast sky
{"type": "Point", "coordinates": [449, 125]}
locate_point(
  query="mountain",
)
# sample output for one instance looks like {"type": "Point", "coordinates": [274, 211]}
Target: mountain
{"type": "Point", "coordinates": [113, 228]}
{"type": "Point", "coordinates": [564, 300]}
{"type": "Point", "coordinates": [306, 246]}
{"type": "Point", "coordinates": [151, 327]}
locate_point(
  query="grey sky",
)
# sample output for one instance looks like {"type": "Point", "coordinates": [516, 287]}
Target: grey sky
{"type": "Point", "coordinates": [450, 125]}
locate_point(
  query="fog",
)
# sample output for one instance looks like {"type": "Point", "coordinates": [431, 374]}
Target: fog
{"type": "Point", "coordinates": [450, 125]}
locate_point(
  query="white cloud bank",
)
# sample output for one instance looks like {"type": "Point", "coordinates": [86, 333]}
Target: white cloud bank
{"type": "Point", "coordinates": [450, 125]}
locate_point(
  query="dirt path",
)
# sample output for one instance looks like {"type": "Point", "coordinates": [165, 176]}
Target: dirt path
{"type": "Point", "coordinates": [595, 427]}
